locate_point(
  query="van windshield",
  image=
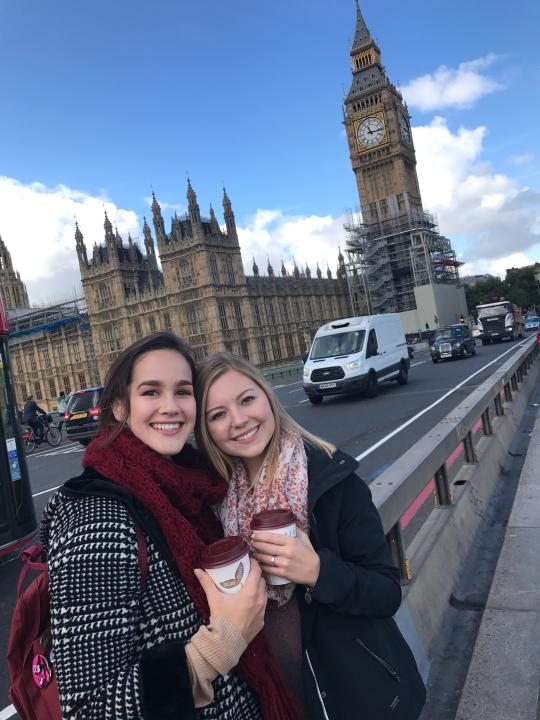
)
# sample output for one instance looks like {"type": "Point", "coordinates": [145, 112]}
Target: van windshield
{"type": "Point", "coordinates": [344, 343]}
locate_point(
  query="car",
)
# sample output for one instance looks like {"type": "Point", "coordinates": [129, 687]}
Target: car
{"type": "Point", "coordinates": [453, 341]}
{"type": "Point", "coordinates": [532, 322]}
{"type": "Point", "coordinates": [81, 418]}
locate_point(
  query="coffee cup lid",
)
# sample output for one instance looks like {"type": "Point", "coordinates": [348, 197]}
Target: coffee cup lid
{"type": "Point", "coordinates": [223, 552]}
{"type": "Point", "coordinates": [272, 519]}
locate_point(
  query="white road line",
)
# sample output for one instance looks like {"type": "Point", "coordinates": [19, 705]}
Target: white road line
{"type": "Point", "coordinates": [418, 363]}
{"type": "Point", "coordinates": [43, 492]}
{"type": "Point", "coordinates": [430, 407]}
{"type": "Point", "coordinates": [7, 712]}
{"type": "Point", "coordinates": [297, 390]}
{"type": "Point", "coordinates": [279, 387]}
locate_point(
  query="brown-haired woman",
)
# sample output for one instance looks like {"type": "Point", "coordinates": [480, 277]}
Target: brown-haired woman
{"type": "Point", "coordinates": [331, 626]}
{"type": "Point", "coordinates": [155, 639]}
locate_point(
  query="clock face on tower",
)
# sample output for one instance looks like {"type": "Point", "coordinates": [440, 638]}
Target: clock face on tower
{"type": "Point", "coordinates": [370, 132]}
{"type": "Point", "coordinates": [405, 130]}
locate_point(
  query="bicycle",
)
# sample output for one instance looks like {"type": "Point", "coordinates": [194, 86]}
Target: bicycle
{"type": "Point", "coordinates": [51, 435]}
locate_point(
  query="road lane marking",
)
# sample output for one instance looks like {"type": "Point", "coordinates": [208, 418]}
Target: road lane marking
{"type": "Point", "coordinates": [434, 404]}
{"type": "Point", "coordinates": [418, 363]}
{"type": "Point", "coordinates": [43, 492]}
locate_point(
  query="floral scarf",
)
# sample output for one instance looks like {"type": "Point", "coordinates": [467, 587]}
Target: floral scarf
{"type": "Point", "coordinates": [288, 488]}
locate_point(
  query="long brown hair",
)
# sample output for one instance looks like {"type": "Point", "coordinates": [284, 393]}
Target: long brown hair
{"type": "Point", "coordinates": [119, 374]}
{"type": "Point", "coordinates": [207, 373]}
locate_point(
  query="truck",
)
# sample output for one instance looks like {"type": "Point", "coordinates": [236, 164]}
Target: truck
{"type": "Point", "coordinates": [498, 321]}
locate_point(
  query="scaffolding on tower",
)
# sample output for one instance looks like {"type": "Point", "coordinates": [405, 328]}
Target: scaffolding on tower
{"type": "Point", "coordinates": [387, 259]}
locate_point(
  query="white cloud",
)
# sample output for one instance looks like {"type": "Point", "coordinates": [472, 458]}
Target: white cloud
{"type": "Point", "coordinates": [525, 159]}
{"type": "Point", "coordinates": [495, 267]}
{"type": "Point", "coordinates": [275, 236]}
{"type": "Point", "coordinates": [488, 209]}
{"type": "Point", "coordinates": [452, 87]}
{"type": "Point", "coordinates": [37, 226]}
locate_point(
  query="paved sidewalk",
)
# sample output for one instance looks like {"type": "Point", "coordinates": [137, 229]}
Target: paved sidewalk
{"type": "Point", "coordinates": [503, 681]}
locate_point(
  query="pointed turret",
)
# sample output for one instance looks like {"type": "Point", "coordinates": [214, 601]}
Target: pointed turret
{"type": "Point", "coordinates": [193, 205]}
{"type": "Point", "coordinates": [5, 257]}
{"type": "Point", "coordinates": [117, 236]}
{"type": "Point", "coordinates": [366, 59]}
{"type": "Point", "coordinates": [341, 272]}
{"type": "Point", "coordinates": [157, 220]}
{"type": "Point", "coordinates": [362, 36]}
{"type": "Point", "coordinates": [296, 271]}
{"type": "Point", "coordinates": [255, 268]}
{"type": "Point", "coordinates": [283, 269]}
{"type": "Point", "coordinates": [308, 272]}
{"type": "Point", "coordinates": [81, 247]}
{"type": "Point", "coordinates": [270, 269]}
{"type": "Point", "coordinates": [213, 222]}
{"type": "Point", "coordinates": [328, 272]}
{"type": "Point", "coordinates": [319, 273]}
{"type": "Point", "coordinates": [109, 235]}
{"type": "Point", "coordinates": [229, 216]}
{"type": "Point", "coordinates": [12, 289]}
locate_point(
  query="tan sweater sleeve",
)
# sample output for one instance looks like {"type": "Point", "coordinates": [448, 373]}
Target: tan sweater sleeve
{"type": "Point", "coordinates": [214, 650]}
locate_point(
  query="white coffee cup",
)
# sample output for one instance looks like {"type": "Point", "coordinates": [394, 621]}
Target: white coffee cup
{"type": "Point", "coordinates": [227, 562]}
{"type": "Point", "coordinates": [280, 521]}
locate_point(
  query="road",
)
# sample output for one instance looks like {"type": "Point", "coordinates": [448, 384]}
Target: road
{"type": "Point", "coordinates": [376, 431]}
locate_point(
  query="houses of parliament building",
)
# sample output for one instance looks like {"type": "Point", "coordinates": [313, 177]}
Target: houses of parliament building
{"type": "Point", "coordinates": [198, 290]}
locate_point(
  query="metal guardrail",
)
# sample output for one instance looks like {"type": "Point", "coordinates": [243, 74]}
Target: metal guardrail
{"type": "Point", "coordinates": [399, 486]}
{"type": "Point", "coordinates": [280, 371]}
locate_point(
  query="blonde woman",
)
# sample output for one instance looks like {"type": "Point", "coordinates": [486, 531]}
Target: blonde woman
{"type": "Point", "coordinates": [330, 628]}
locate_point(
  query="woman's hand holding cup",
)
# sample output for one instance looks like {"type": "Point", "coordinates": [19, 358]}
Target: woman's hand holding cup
{"type": "Point", "coordinates": [245, 610]}
{"type": "Point", "coordinates": [288, 557]}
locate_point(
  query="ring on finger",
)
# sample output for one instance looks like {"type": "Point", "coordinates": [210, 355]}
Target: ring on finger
{"type": "Point", "coordinates": [273, 560]}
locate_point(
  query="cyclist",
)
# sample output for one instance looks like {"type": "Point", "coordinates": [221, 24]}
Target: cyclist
{"type": "Point", "coordinates": [29, 417]}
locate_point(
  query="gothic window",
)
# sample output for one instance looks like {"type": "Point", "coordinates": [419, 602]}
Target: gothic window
{"type": "Point", "coordinates": [309, 308]}
{"type": "Point", "coordinates": [47, 359]}
{"type": "Point", "coordinates": [244, 349]}
{"type": "Point", "coordinates": [296, 309]}
{"type": "Point", "coordinates": [82, 380]}
{"type": "Point", "coordinates": [290, 346]}
{"type": "Point", "coordinates": [19, 364]}
{"type": "Point", "coordinates": [261, 342]}
{"type": "Point", "coordinates": [276, 348]}
{"type": "Point", "coordinates": [37, 390]}
{"type": "Point", "coordinates": [230, 269]}
{"type": "Point", "coordinates": [104, 299]}
{"type": "Point", "coordinates": [321, 309]}
{"type": "Point", "coordinates": [271, 311]}
{"type": "Point", "coordinates": [285, 310]}
{"type": "Point", "coordinates": [214, 269]}
{"type": "Point", "coordinates": [228, 346]}
{"type": "Point", "coordinates": [52, 389]}
{"type": "Point", "coordinates": [184, 272]}
{"type": "Point", "coordinates": [195, 324]}
{"type": "Point", "coordinates": [76, 350]}
{"type": "Point", "coordinates": [152, 323]}
{"type": "Point", "coordinates": [137, 329]}
{"type": "Point", "coordinates": [24, 391]}
{"type": "Point", "coordinates": [238, 315]}
{"type": "Point", "coordinates": [112, 341]}
{"type": "Point", "coordinates": [223, 316]}
{"type": "Point", "coordinates": [200, 354]}
{"type": "Point", "coordinates": [67, 385]}
{"type": "Point", "coordinates": [167, 321]}
{"type": "Point", "coordinates": [33, 365]}
{"type": "Point", "coordinates": [257, 314]}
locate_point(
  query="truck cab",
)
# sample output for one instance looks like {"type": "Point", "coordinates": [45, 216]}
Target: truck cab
{"type": "Point", "coordinates": [498, 321]}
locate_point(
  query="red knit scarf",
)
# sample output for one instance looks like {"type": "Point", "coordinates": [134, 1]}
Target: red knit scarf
{"type": "Point", "coordinates": [179, 498]}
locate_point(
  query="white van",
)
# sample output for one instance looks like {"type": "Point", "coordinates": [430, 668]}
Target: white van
{"type": "Point", "coordinates": [356, 354]}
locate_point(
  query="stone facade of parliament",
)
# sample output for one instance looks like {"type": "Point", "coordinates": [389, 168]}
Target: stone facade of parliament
{"type": "Point", "coordinates": [200, 292]}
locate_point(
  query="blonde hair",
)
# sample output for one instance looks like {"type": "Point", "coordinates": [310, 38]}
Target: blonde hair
{"type": "Point", "coordinates": [207, 373]}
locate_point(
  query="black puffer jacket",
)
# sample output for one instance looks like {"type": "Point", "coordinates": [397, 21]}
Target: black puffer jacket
{"type": "Point", "coordinates": [356, 663]}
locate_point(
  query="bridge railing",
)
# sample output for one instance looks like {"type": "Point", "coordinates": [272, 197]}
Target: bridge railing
{"type": "Point", "coordinates": [399, 487]}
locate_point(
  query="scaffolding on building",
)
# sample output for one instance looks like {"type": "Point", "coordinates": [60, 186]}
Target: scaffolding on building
{"type": "Point", "coordinates": [388, 259]}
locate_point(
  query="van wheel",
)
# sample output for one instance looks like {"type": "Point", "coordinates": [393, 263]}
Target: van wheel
{"type": "Point", "coordinates": [372, 386]}
{"type": "Point", "coordinates": [315, 399]}
{"type": "Point", "coordinates": [403, 376]}
{"type": "Point", "coordinates": [435, 360]}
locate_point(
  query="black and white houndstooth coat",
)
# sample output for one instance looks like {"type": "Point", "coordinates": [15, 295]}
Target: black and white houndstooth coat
{"type": "Point", "coordinates": [119, 649]}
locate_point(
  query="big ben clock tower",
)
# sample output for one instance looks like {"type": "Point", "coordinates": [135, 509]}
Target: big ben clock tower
{"type": "Point", "coordinates": [396, 249]}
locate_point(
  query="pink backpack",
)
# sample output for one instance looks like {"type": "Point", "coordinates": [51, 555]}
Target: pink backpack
{"type": "Point", "coordinates": [30, 656]}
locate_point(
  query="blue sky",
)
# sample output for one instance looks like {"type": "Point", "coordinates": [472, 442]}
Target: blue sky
{"type": "Point", "coordinates": [103, 101]}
